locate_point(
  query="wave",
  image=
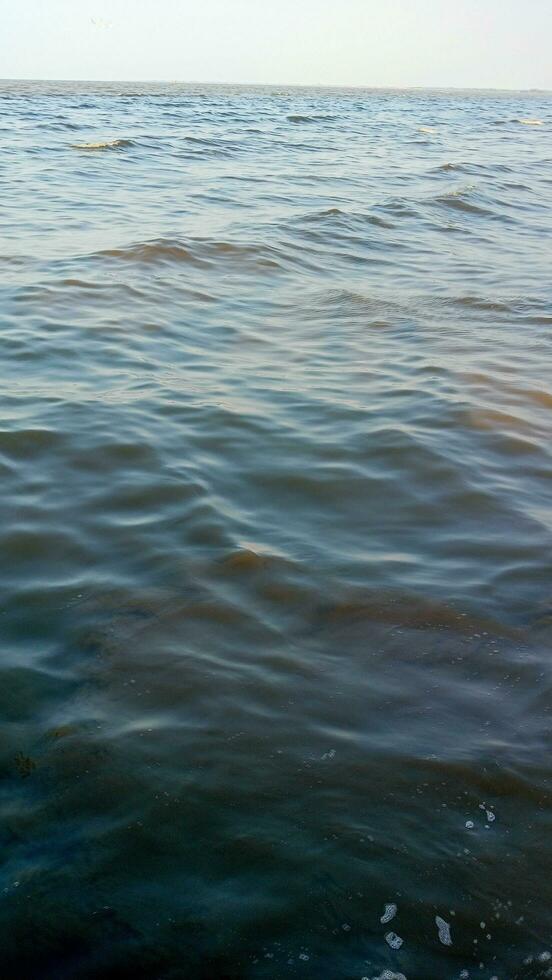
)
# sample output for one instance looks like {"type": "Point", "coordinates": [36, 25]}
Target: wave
{"type": "Point", "coordinates": [349, 302]}
{"type": "Point", "coordinates": [298, 118]}
{"type": "Point", "coordinates": [517, 307]}
{"type": "Point", "coordinates": [148, 252]}
{"type": "Point", "coordinates": [482, 304]}
{"type": "Point", "coordinates": [400, 207]}
{"type": "Point", "coordinates": [411, 611]}
{"type": "Point", "coordinates": [345, 217]}
{"type": "Point", "coordinates": [459, 201]}
{"type": "Point", "coordinates": [59, 126]}
{"type": "Point", "coordinates": [472, 168]}
{"type": "Point", "coordinates": [198, 252]}
{"type": "Point", "coordinates": [214, 147]}
{"type": "Point", "coordinates": [520, 122]}
{"type": "Point", "coordinates": [117, 144]}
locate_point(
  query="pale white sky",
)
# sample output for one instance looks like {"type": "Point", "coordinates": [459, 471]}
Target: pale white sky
{"type": "Point", "coordinates": [474, 43]}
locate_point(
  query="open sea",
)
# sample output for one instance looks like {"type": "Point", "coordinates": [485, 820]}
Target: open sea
{"type": "Point", "coordinates": [276, 533]}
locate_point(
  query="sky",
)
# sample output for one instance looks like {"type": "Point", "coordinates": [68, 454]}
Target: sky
{"type": "Point", "coordinates": [463, 43]}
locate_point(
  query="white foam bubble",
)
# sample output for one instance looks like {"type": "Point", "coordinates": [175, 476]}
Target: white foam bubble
{"type": "Point", "coordinates": [387, 975]}
{"type": "Point", "coordinates": [394, 941]}
{"type": "Point", "coordinates": [444, 931]}
{"type": "Point", "coordinates": [389, 914]}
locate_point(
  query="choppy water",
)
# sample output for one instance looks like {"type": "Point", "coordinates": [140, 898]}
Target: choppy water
{"type": "Point", "coordinates": [275, 448]}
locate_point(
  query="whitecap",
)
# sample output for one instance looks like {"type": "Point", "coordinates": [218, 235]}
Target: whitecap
{"type": "Point", "coordinates": [103, 145]}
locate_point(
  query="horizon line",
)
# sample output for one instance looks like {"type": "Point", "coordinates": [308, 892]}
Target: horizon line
{"type": "Point", "coordinates": [306, 85]}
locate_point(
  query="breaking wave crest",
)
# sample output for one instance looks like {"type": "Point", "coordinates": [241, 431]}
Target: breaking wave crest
{"type": "Point", "coordinates": [115, 144]}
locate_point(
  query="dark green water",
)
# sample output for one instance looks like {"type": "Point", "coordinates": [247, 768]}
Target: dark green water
{"type": "Point", "coordinates": [276, 604]}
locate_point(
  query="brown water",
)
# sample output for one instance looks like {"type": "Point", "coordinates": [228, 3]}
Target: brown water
{"type": "Point", "coordinates": [276, 522]}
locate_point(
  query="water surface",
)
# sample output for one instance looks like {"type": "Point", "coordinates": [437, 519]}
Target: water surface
{"type": "Point", "coordinates": [276, 603]}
